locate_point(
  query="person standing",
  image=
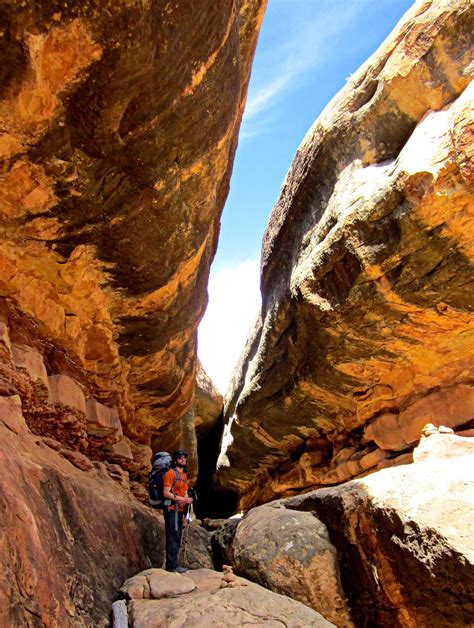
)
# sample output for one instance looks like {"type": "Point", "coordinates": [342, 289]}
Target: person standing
{"type": "Point", "coordinates": [175, 492]}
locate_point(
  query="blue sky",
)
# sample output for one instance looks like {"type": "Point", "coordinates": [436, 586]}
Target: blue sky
{"type": "Point", "coordinates": [306, 51]}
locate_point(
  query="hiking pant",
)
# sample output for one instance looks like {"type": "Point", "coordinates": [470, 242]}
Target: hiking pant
{"type": "Point", "coordinates": [173, 529]}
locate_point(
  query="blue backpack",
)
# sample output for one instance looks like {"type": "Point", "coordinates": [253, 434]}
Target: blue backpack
{"type": "Point", "coordinates": [161, 464]}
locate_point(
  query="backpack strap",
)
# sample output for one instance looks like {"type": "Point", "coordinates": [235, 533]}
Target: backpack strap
{"type": "Point", "coordinates": [176, 479]}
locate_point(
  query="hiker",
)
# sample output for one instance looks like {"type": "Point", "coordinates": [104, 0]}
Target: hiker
{"type": "Point", "coordinates": [175, 492]}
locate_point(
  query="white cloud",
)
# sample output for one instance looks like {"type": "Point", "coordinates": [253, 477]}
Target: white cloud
{"type": "Point", "coordinates": [234, 300]}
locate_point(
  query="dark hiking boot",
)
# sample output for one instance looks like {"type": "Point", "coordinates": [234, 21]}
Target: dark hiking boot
{"type": "Point", "coordinates": [178, 570]}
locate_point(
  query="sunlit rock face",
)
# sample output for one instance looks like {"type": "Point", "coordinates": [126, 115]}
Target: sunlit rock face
{"type": "Point", "coordinates": [404, 537]}
{"type": "Point", "coordinates": [119, 123]}
{"type": "Point", "coordinates": [393, 549]}
{"type": "Point", "coordinates": [366, 331]}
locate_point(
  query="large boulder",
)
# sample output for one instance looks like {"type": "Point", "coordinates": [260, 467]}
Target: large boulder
{"type": "Point", "coordinates": [196, 551]}
{"type": "Point", "coordinates": [222, 542]}
{"type": "Point", "coordinates": [365, 332]}
{"type": "Point", "coordinates": [405, 537]}
{"type": "Point", "coordinates": [289, 552]}
{"type": "Point", "coordinates": [197, 599]}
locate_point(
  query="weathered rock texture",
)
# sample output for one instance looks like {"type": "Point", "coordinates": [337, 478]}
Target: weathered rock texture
{"type": "Point", "coordinates": [70, 530]}
{"type": "Point", "coordinates": [196, 598]}
{"type": "Point", "coordinates": [118, 129]}
{"type": "Point", "coordinates": [196, 550]}
{"type": "Point", "coordinates": [222, 540]}
{"type": "Point", "coordinates": [405, 538]}
{"type": "Point", "coordinates": [119, 123]}
{"type": "Point", "coordinates": [366, 329]}
{"type": "Point", "coordinates": [290, 553]}
{"type": "Point", "coordinates": [208, 404]}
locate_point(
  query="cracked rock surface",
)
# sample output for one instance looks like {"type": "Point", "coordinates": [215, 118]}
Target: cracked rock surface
{"type": "Point", "coordinates": [209, 604]}
{"type": "Point", "coordinates": [404, 537]}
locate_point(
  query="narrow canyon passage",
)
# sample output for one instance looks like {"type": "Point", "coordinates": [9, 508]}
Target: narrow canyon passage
{"type": "Point", "coordinates": [344, 436]}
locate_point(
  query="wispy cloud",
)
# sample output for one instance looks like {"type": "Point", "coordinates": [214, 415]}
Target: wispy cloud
{"type": "Point", "coordinates": [265, 95]}
{"type": "Point", "coordinates": [305, 39]}
{"type": "Point", "coordinates": [234, 300]}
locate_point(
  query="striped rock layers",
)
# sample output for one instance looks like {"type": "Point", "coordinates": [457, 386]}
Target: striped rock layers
{"type": "Point", "coordinates": [119, 124]}
{"type": "Point", "coordinates": [366, 330]}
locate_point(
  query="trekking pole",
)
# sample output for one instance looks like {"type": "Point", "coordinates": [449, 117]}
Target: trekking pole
{"type": "Point", "coordinates": [184, 533]}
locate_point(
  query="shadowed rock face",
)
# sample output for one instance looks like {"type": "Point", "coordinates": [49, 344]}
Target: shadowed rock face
{"type": "Point", "coordinates": [119, 127]}
{"type": "Point", "coordinates": [366, 327]}
{"type": "Point", "coordinates": [70, 532]}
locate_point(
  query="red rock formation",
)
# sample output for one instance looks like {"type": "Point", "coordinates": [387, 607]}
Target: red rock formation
{"type": "Point", "coordinates": [70, 532]}
{"type": "Point", "coordinates": [366, 326]}
{"type": "Point", "coordinates": [119, 123]}
{"type": "Point", "coordinates": [119, 127]}
{"type": "Point", "coordinates": [398, 544]}
{"type": "Point", "coordinates": [405, 538]}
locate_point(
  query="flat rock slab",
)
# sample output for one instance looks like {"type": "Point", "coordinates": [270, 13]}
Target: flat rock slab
{"type": "Point", "coordinates": [156, 584]}
{"type": "Point", "coordinates": [210, 605]}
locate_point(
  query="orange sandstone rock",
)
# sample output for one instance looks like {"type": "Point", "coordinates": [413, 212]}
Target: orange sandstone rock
{"type": "Point", "coordinates": [110, 203]}
{"type": "Point", "coordinates": [118, 130]}
{"type": "Point", "coordinates": [366, 328]}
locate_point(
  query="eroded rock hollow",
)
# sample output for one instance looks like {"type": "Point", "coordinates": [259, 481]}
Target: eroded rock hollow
{"type": "Point", "coordinates": [366, 329]}
{"type": "Point", "coordinates": [119, 124]}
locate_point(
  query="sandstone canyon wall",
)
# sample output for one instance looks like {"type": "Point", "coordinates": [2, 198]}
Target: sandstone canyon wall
{"type": "Point", "coordinates": [366, 329]}
{"type": "Point", "coordinates": [70, 533]}
{"type": "Point", "coordinates": [391, 549]}
{"type": "Point", "coordinates": [119, 124]}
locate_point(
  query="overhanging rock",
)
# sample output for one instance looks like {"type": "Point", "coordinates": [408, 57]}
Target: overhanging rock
{"type": "Point", "coordinates": [119, 127]}
{"type": "Point", "coordinates": [366, 329]}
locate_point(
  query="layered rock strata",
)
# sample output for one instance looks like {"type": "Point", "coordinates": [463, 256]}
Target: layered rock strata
{"type": "Point", "coordinates": [70, 530]}
{"type": "Point", "coordinates": [118, 130]}
{"type": "Point", "coordinates": [366, 328]}
{"type": "Point", "coordinates": [119, 123]}
{"type": "Point", "coordinates": [404, 537]}
{"type": "Point", "coordinates": [393, 549]}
